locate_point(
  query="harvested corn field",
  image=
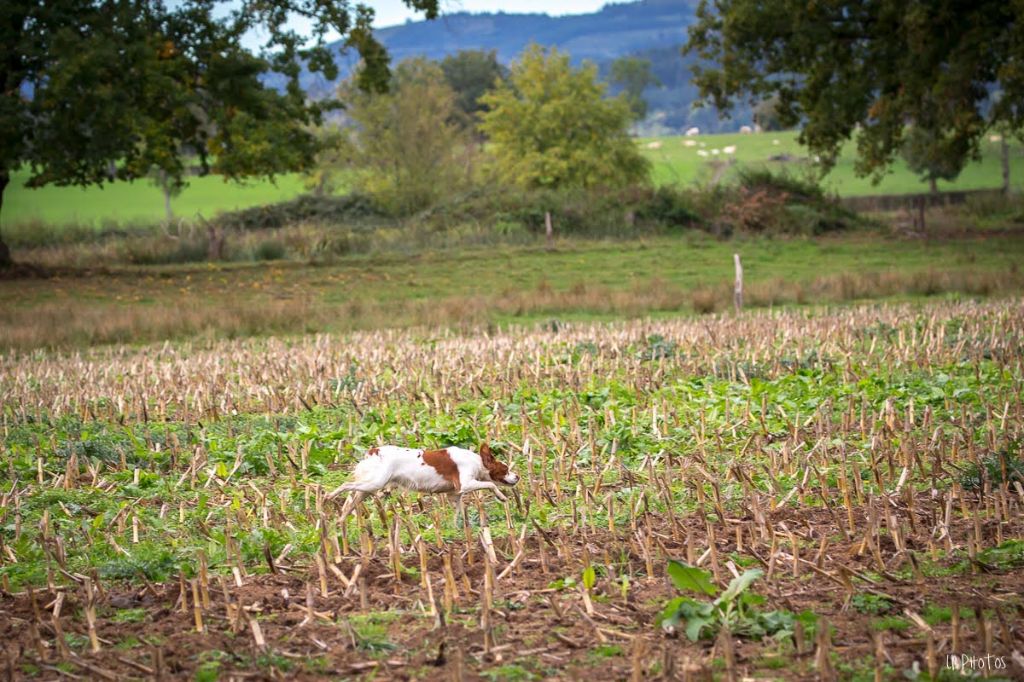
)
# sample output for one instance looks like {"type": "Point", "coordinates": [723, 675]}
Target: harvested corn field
{"type": "Point", "coordinates": [826, 494]}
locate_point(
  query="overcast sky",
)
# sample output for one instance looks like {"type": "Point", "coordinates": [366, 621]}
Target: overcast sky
{"type": "Point", "coordinates": [391, 12]}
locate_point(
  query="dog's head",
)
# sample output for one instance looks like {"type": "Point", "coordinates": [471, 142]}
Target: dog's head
{"type": "Point", "coordinates": [498, 471]}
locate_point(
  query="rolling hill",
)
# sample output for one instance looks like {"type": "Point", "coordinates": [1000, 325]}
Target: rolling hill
{"type": "Point", "coordinates": [654, 29]}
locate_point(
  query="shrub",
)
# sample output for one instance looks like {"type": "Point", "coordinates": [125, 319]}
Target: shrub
{"type": "Point", "coordinates": [269, 250]}
{"type": "Point", "coordinates": [671, 207]}
{"type": "Point", "coordinates": [802, 189]}
{"type": "Point", "coordinates": [303, 209]}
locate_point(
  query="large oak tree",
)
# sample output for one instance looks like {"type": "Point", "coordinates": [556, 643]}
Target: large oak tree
{"type": "Point", "coordinates": [97, 90]}
{"type": "Point", "coordinates": [840, 66]}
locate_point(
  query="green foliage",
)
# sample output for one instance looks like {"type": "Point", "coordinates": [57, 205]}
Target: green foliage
{"type": "Point", "coordinates": [510, 671]}
{"type": "Point", "coordinates": [935, 156]}
{"type": "Point", "coordinates": [849, 67]}
{"type": "Point", "coordinates": [634, 75]}
{"type": "Point", "coordinates": [1009, 554]}
{"type": "Point", "coordinates": [799, 188]}
{"type": "Point", "coordinates": [997, 468]}
{"type": "Point", "coordinates": [332, 164]}
{"type": "Point", "coordinates": [766, 114]}
{"type": "Point", "coordinates": [871, 603]}
{"type": "Point", "coordinates": [129, 615]}
{"type": "Point", "coordinates": [408, 152]}
{"type": "Point", "coordinates": [605, 651]}
{"type": "Point", "coordinates": [735, 608]}
{"type": "Point", "coordinates": [690, 578]}
{"type": "Point", "coordinates": [154, 563]}
{"type": "Point", "coordinates": [471, 73]}
{"type": "Point", "coordinates": [670, 206]}
{"type": "Point", "coordinates": [269, 250]}
{"type": "Point", "coordinates": [102, 90]}
{"type": "Point", "coordinates": [304, 209]}
{"type": "Point", "coordinates": [775, 203]}
{"type": "Point", "coordinates": [588, 578]}
{"type": "Point", "coordinates": [894, 623]}
{"type": "Point", "coordinates": [371, 631]}
{"type": "Point", "coordinates": [550, 126]}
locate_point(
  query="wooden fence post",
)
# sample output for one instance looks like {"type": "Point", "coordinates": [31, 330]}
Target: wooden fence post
{"type": "Point", "coordinates": [549, 231]}
{"type": "Point", "coordinates": [737, 294]}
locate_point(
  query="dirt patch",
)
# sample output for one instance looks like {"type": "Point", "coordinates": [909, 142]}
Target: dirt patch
{"type": "Point", "coordinates": [540, 627]}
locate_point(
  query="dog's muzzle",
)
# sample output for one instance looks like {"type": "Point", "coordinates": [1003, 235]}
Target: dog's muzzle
{"type": "Point", "coordinates": [510, 479]}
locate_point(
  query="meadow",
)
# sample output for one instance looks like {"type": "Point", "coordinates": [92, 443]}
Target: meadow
{"type": "Point", "coordinates": [140, 204]}
{"type": "Point", "coordinates": [674, 162]}
{"type": "Point", "coordinates": [811, 494]}
{"type": "Point", "coordinates": [579, 279]}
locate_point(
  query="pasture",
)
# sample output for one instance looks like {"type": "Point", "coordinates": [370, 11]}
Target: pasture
{"type": "Point", "coordinates": [140, 204]}
{"type": "Point", "coordinates": [580, 279]}
{"type": "Point", "coordinates": [852, 476]}
{"type": "Point", "coordinates": [674, 162]}
{"type": "Point", "coordinates": [129, 204]}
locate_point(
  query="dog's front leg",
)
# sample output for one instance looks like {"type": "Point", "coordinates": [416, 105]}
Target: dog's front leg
{"type": "Point", "coordinates": [470, 486]}
{"type": "Point", "coordinates": [460, 510]}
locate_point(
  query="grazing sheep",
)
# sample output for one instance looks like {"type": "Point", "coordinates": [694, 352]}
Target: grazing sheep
{"type": "Point", "coordinates": [775, 142]}
{"type": "Point", "coordinates": [701, 152]}
{"type": "Point", "coordinates": [731, 149]}
{"type": "Point", "coordinates": [715, 151]}
{"type": "Point", "coordinates": [654, 145]}
{"type": "Point", "coordinates": [746, 130]}
{"type": "Point", "coordinates": [689, 143]}
{"type": "Point", "coordinates": [693, 131]}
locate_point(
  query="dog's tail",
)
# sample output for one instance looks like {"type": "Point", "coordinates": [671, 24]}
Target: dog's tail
{"type": "Point", "coordinates": [369, 476]}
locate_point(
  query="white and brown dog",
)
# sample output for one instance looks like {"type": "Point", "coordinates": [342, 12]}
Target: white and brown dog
{"type": "Point", "coordinates": [454, 471]}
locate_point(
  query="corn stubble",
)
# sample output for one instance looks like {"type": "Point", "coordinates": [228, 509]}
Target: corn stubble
{"type": "Point", "coordinates": [824, 447]}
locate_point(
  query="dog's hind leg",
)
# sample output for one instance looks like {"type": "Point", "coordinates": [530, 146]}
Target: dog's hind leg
{"type": "Point", "coordinates": [350, 505]}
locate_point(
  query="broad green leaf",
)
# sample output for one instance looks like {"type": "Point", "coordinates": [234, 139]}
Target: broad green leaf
{"type": "Point", "coordinates": [690, 578]}
{"type": "Point", "coordinates": [694, 626]}
{"type": "Point", "coordinates": [589, 576]}
{"type": "Point", "coordinates": [738, 585]}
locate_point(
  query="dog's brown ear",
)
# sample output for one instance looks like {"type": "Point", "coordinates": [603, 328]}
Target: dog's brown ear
{"type": "Point", "coordinates": [485, 452]}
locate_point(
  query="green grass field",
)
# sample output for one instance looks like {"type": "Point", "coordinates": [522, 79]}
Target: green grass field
{"type": "Point", "coordinates": [581, 279]}
{"type": "Point", "coordinates": [141, 202]}
{"type": "Point", "coordinates": [674, 162]}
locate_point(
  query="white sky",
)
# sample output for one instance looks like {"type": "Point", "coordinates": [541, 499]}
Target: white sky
{"type": "Point", "coordinates": [391, 12]}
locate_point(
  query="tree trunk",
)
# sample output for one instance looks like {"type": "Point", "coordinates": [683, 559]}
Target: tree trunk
{"type": "Point", "coordinates": [933, 185]}
{"type": "Point", "coordinates": [168, 212]}
{"type": "Point", "coordinates": [5, 253]}
{"type": "Point", "coordinates": [167, 205]}
{"type": "Point", "coordinates": [215, 245]}
{"type": "Point", "coordinates": [1006, 165]}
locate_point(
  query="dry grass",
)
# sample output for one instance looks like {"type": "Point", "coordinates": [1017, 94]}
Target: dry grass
{"type": "Point", "coordinates": [65, 322]}
{"type": "Point", "coordinates": [200, 378]}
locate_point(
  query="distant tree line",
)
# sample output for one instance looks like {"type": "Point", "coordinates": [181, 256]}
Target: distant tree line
{"type": "Point", "coordinates": [465, 123]}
